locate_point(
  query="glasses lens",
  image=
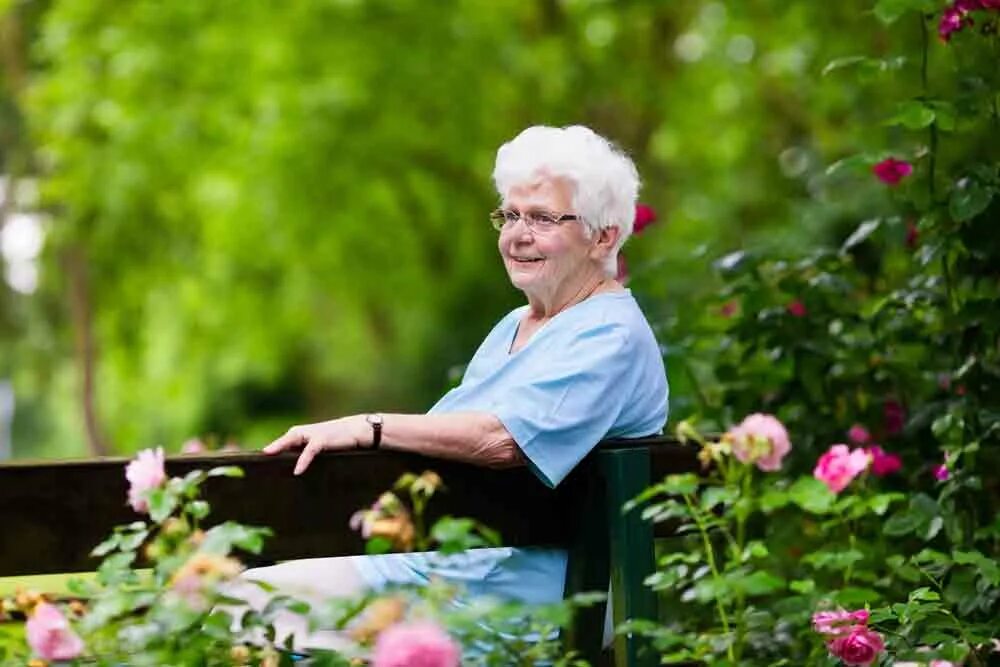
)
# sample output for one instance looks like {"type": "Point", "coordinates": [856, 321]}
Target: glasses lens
{"type": "Point", "coordinates": [497, 219]}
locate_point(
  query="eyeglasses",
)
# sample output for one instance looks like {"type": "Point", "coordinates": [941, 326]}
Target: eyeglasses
{"type": "Point", "coordinates": [536, 221]}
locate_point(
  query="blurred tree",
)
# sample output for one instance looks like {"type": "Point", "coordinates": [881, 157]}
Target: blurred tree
{"type": "Point", "coordinates": [264, 213]}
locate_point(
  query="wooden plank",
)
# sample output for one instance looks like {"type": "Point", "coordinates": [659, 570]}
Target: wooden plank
{"type": "Point", "coordinates": [52, 513]}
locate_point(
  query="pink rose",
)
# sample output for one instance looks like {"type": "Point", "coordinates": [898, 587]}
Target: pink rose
{"type": "Point", "coordinates": [859, 648]}
{"type": "Point", "coordinates": [796, 308]}
{"type": "Point", "coordinates": [941, 472]}
{"type": "Point", "coordinates": [891, 171]}
{"type": "Point", "coordinates": [644, 217]}
{"type": "Point", "coordinates": [839, 465]}
{"type": "Point", "coordinates": [838, 623]}
{"type": "Point", "coordinates": [50, 636]}
{"type": "Point", "coordinates": [942, 663]}
{"type": "Point", "coordinates": [760, 439]}
{"type": "Point", "coordinates": [883, 463]}
{"type": "Point", "coordinates": [144, 473]}
{"type": "Point", "coordinates": [193, 446]}
{"type": "Point", "coordinates": [858, 434]}
{"type": "Point", "coordinates": [418, 644]}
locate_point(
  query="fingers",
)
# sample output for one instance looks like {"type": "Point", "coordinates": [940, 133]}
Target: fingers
{"type": "Point", "coordinates": [294, 438]}
{"type": "Point", "coordinates": [306, 457]}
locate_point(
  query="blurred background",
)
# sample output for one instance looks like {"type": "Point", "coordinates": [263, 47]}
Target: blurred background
{"type": "Point", "coordinates": [221, 218]}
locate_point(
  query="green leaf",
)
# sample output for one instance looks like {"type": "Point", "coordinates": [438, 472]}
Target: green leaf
{"type": "Point", "coordinates": [378, 545]}
{"type": "Point", "coordinates": [226, 471]}
{"type": "Point", "coordinates": [969, 199]}
{"type": "Point", "coordinates": [812, 495]}
{"type": "Point", "coordinates": [221, 539]}
{"type": "Point", "coordinates": [773, 499]}
{"type": "Point", "coordinates": [861, 234]}
{"type": "Point", "coordinates": [889, 11]}
{"type": "Point", "coordinates": [901, 523]}
{"type": "Point", "coordinates": [162, 503]}
{"type": "Point", "coordinates": [913, 115]}
{"type": "Point", "coordinates": [987, 567]}
{"type": "Point", "coordinates": [880, 503]}
{"type": "Point", "coordinates": [759, 583]}
{"type": "Point", "coordinates": [802, 586]}
{"type": "Point", "coordinates": [107, 546]}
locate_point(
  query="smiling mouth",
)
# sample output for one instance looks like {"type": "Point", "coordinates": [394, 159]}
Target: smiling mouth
{"type": "Point", "coordinates": [526, 260]}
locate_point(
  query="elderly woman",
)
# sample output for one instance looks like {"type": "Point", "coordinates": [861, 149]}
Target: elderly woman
{"type": "Point", "coordinates": [578, 363]}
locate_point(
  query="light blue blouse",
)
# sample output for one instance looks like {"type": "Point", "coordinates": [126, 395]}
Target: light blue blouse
{"type": "Point", "coordinates": [592, 372]}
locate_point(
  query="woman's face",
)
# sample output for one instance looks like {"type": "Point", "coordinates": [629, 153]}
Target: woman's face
{"type": "Point", "coordinates": [545, 263]}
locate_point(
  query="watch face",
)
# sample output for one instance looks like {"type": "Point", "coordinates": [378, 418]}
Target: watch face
{"type": "Point", "coordinates": [374, 420]}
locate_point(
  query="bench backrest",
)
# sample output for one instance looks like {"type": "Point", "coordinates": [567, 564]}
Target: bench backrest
{"type": "Point", "coordinates": [53, 513]}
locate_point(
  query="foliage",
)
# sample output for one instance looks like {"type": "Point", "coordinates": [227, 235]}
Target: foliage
{"type": "Point", "coordinates": [282, 213]}
{"type": "Point", "coordinates": [897, 330]}
{"type": "Point", "coordinates": [164, 595]}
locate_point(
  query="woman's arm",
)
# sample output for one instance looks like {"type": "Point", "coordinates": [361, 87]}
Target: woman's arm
{"type": "Point", "coordinates": [472, 437]}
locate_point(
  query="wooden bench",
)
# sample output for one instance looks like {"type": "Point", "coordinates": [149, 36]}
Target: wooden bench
{"type": "Point", "coordinates": [53, 513]}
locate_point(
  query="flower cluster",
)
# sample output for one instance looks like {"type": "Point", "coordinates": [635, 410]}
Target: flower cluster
{"type": "Point", "coordinates": [958, 15]}
{"type": "Point", "coordinates": [848, 636]}
{"type": "Point", "coordinates": [388, 519]}
{"type": "Point", "coordinates": [50, 635]}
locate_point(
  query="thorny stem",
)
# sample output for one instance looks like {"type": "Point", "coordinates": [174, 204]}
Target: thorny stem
{"type": "Point", "coordinates": [710, 557]}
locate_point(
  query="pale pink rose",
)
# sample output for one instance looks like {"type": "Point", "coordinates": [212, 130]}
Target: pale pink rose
{"type": "Point", "coordinates": [839, 465]}
{"type": "Point", "coordinates": [858, 434]}
{"type": "Point", "coordinates": [144, 473]}
{"type": "Point", "coordinates": [50, 636]}
{"type": "Point", "coordinates": [942, 663]}
{"type": "Point", "coordinates": [760, 439]}
{"type": "Point", "coordinates": [883, 463]}
{"type": "Point", "coordinates": [860, 648]}
{"type": "Point", "coordinates": [193, 446]}
{"type": "Point", "coordinates": [838, 623]}
{"type": "Point", "coordinates": [418, 644]}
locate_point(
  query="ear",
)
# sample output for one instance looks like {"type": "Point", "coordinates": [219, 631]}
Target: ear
{"type": "Point", "coordinates": [604, 242]}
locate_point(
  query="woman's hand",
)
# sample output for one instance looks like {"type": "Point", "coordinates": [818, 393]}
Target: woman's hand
{"type": "Point", "coordinates": [336, 434]}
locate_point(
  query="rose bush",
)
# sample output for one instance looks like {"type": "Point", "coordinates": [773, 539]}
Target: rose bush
{"type": "Point", "coordinates": [892, 339]}
{"type": "Point", "coordinates": [162, 596]}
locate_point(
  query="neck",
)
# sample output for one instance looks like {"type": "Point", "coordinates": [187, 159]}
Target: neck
{"type": "Point", "coordinates": [545, 307]}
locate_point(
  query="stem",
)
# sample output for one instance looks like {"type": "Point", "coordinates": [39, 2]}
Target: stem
{"type": "Point", "coordinates": [710, 557]}
{"type": "Point", "coordinates": [932, 128]}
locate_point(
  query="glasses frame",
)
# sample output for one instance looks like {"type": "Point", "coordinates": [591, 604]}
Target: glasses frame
{"type": "Point", "coordinates": [499, 219]}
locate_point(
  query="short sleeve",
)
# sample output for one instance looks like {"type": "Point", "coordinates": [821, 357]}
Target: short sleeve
{"type": "Point", "coordinates": [558, 411]}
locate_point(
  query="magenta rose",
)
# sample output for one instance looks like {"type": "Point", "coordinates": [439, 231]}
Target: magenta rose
{"type": "Point", "coordinates": [883, 463]}
{"type": "Point", "coordinates": [644, 217]}
{"type": "Point", "coordinates": [796, 308]}
{"type": "Point", "coordinates": [760, 439]}
{"type": "Point", "coordinates": [144, 473]}
{"type": "Point", "coordinates": [941, 472]}
{"type": "Point", "coordinates": [891, 171]}
{"type": "Point", "coordinates": [839, 465]}
{"type": "Point", "coordinates": [50, 636]}
{"type": "Point", "coordinates": [858, 434]}
{"type": "Point", "coordinates": [418, 644]}
{"type": "Point", "coordinates": [860, 648]}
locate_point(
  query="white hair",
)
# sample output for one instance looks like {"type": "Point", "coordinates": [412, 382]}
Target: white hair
{"type": "Point", "coordinates": [604, 179]}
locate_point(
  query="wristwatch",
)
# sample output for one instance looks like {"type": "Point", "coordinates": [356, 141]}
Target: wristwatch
{"type": "Point", "coordinates": [375, 420]}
